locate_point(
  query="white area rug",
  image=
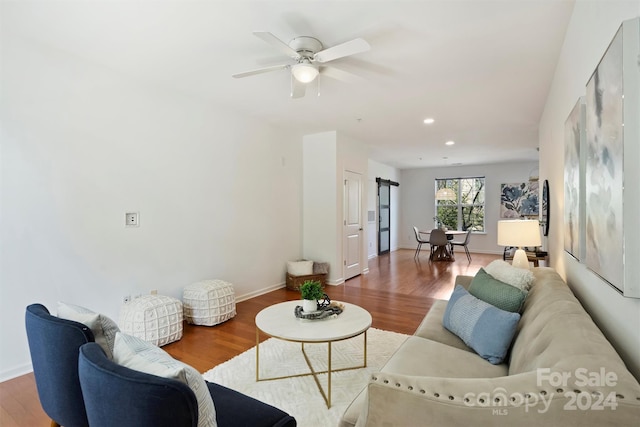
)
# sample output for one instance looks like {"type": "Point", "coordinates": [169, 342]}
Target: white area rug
{"type": "Point", "coordinates": [300, 396]}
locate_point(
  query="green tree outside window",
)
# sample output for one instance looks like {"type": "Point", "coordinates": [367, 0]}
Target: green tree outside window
{"type": "Point", "coordinates": [467, 212]}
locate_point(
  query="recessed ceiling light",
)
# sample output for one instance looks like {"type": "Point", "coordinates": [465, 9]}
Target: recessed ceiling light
{"type": "Point", "coordinates": [428, 121]}
{"type": "Point", "coordinates": [449, 143]}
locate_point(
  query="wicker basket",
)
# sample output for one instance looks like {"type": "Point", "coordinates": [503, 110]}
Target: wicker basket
{"type": "Point", "coordinates": [294, 282]}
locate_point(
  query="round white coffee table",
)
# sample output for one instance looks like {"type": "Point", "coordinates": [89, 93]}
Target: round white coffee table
{"type": "Point", "coordinates": [279, 321]}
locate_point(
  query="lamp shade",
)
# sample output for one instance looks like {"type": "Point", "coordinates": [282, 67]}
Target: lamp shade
{"type": "Point", "coordinates": [446, 194]}
{"type": "Point", "coordinates": [304, 72]}
{"type": "Point", "coordinates": [519, 233]}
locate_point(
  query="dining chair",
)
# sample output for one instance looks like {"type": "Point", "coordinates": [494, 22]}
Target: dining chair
{"type": "Point", "coordinates": [464, 243]}
{"type": "Point", "coordinates": [438, 240]}
{"type": "Point", "coordinates": [420, 241]}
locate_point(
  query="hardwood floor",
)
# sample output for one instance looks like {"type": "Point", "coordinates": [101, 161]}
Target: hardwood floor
{"type": "Point", "coordinates": [398, 291]}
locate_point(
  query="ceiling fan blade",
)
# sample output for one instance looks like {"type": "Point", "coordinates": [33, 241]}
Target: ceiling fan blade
{"type": "Point", "coordinates": [260, 71]}
{"type": "Point", "coordinates": [297, 89]}
{"type": "Point", "coordinates": [338, 74]}
{"type": "Point", "coordinates": [339, 51]}
{"type": "Point", "coordinates": [277, 43]}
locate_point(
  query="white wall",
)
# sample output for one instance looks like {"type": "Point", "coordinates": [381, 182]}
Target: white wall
{"type": "Point", "coordinates": [320, 202]}
{"type": "Point", "coordinates": [418, 199]}
{"type": "Point", "coordinates": [326, 156]}
{"type": "Point", "coordinates": [379, 170]}
{"type": "Point", "coordinates": [352, 157]}
{"type": "Point", "coordinates": [219, 196]}
{"type": "Point", "coordinates": [592, 27]}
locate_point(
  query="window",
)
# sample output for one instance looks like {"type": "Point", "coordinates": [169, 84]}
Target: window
{"type": "Point", "coordinates": [468, 210]}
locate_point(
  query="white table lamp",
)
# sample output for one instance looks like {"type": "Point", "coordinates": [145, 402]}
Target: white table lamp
{"type": "Point", "coordinates": [519, 233]}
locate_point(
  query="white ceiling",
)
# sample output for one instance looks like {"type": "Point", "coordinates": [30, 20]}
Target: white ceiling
{"type": "Point", "coordinates": [481, 68]}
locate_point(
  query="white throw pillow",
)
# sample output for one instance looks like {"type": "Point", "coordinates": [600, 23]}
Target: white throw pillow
{"type": "Point", "coordinates": [104, 329]}
{"type": "Point", "coordinates": [519, 277]}
{"type": "Point", "coordinates": [139, 355]}
{"type": "Point", "coordinates": [300, 268]}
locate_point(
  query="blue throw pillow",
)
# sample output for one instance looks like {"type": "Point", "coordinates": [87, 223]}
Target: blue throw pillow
{"type": "Point", "coordinates": [483, 327]}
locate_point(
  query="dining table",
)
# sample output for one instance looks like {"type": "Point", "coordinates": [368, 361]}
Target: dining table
{"type": "Point", "coordinates": [445, 252]}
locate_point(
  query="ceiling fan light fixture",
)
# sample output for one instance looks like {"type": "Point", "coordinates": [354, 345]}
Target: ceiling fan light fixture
{"type": "Point", "coordinates": [304, 72]}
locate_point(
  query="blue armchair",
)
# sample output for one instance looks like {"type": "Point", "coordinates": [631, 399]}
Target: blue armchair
{"type": "Point", "coordinates": [118, 396]}
{"type": "Point", "coordinates": [54, 344]}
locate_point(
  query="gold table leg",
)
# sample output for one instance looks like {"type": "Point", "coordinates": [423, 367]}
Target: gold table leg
{"type": "Point", "coordinates": [326, 396]}
{"type": "Point", "coordinates": [257, 354]}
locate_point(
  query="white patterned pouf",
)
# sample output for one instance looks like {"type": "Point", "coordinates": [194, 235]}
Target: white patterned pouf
{"type": "Point", "coordinates": [154, 318]}
{"type": "Point", "coordinates": [209, 302]}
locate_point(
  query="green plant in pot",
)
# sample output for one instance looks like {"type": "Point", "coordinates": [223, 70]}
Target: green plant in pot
{"type": "Point", "coordinates": [311, 291]}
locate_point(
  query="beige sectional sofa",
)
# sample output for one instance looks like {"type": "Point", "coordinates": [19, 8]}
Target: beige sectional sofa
{"type": "Point", "coordinates": [561, 370]}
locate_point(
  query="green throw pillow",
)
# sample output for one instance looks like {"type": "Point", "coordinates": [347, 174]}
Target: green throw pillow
{"type": "Point", "coordinates": [499, 294]}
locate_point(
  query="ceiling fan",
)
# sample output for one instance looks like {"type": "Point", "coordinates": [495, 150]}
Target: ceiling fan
{"type": "Point", "coordinates": [308, 53]}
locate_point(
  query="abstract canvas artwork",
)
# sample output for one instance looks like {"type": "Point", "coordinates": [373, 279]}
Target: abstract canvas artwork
{"type": "Point", "coordinates": [574, 135]}
{"type": "Point", "coordinates": [519, 199]}
{"type": "Point", "coordinates": [604, 167]}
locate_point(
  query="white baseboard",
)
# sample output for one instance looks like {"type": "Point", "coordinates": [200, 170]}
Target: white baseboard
{"type": "Point", "coordinates": [335, 282]}
{"type": "Point", "coordinates": [16, 372]}
{"type": "Point", "coordinates": [259, 292]}
{"type": "Point", "coordinates": [244, 297]}
{"type": "Point", "coordinates": [256, 293]}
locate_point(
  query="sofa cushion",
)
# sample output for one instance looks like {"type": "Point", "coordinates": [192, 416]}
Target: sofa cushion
{"type": "Point", "coordinates": [427, 358]}
{"type": "Point", "coordinates": [519, 277]}
{"type": "Point", "coordinates": [497, 293]}
{"type": "Point", "coordinates": [104, 329]}
{"type": "Point", "coordinates": [137, 354]}
{"type": "Point", "coordinates": [483, 327]}
{"type": "Point", "coordinates": [464, 281]}
{"type": "Point", "coordinates": [431, 328]}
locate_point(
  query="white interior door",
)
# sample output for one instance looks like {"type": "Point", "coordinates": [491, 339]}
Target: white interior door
{"type": "Point", "coordinates": [352, 224]}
